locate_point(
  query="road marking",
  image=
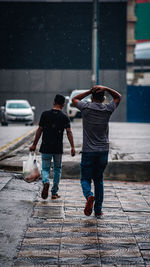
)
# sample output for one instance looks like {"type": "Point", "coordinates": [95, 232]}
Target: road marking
{"type": "Point", "coordinates": [15, 141]}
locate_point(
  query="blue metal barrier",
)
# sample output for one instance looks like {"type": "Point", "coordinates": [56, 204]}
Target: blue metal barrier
{"type": "Point", "coordinates": [138, 104]}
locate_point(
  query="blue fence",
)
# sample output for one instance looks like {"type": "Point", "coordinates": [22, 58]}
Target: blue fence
{"type": "Point", "coordinates": [138, 104]}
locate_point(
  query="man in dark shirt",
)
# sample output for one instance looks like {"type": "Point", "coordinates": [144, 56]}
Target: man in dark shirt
{"type": "Point", "coordinates": [51, 126]}
{"type": "Point", "coordinates": [95, 148]}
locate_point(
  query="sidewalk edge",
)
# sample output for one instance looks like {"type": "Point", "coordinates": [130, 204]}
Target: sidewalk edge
{"type": "Point", "coordinates": [133, 171]}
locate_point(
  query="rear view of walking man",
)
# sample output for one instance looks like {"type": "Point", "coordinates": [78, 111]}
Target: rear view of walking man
{"type": "Point", "coordinates": [51, 126]}
{"type": "Point", "coordinates": [95, 148]}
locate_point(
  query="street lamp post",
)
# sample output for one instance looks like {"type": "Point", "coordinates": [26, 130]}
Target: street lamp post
{"type": "Point", "coordinates": [95, 63]}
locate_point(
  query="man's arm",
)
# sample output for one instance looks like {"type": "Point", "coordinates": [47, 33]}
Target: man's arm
{"type": "Point", "coordinates": [79, 97]}
{"type": "Point", "coordinates": [115, 95]}
{"type": "Point", "coordinates": [70, 138]}
{"type": "Point", "coordinates": [36, 139]}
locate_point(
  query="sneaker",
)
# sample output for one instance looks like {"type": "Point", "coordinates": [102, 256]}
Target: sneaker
{"type": "Point", "coordinates": [89, 206]}
{"type": "Point", "coordinates": [99, 215]}
{"type": "Point", "coordinates": [44, 193]}
{"type": "Point", "coordinates": [55, 196]}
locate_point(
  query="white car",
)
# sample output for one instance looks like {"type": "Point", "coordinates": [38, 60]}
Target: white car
{"type": "Point", "coordinates": [17, 111]}
{"type": "Point", "coordinates": [72, 111]}
{"type": "Point", "coordinates": [142, 51]}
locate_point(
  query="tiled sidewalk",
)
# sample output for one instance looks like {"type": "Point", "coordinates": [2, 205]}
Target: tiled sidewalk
{"type": "Point", "coordinates": [61, 235]}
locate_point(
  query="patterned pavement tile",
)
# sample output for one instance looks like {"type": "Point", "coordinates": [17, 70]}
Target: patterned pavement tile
{"type": "Point", "coordinates": [64, 236]}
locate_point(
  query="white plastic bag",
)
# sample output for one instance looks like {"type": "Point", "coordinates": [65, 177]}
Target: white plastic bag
{"type": "Point", "coordinates": [31, 169]}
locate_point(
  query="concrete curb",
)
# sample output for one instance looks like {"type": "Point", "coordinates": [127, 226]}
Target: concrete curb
{"type": "Point", "coordinates": [136, 171]}
{"type": "Point", "coordinates": [15, 144]}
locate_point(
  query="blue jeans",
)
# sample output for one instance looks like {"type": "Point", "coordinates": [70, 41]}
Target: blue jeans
{"type": "Point", "coordinates": [93, 165]}
{"type": "Point", "coordinates": [57, 165]}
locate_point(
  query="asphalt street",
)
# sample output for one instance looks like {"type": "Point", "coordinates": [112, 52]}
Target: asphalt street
{"type": "Point", "coordinates": [8, 134]}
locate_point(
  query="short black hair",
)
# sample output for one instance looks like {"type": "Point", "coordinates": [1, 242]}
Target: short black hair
{"type": "Point", "coordinates": [59, 100]}
{"type": "Point", "coordinates": [98, 96]}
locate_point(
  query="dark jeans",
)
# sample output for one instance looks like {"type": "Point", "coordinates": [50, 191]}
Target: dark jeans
{"type": "Point", "coordinates": [93, 165]}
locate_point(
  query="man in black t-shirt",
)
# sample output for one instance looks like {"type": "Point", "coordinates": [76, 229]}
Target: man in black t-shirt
{"type": "Point", "coordinates": [51, 126]}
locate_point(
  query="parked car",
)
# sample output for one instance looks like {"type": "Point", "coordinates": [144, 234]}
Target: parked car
{"type": "Point", "coordinates": [17, 111]}
{"type": "Point", "coordinates": [142, 51]}
{"type": "Point", "coordinates": [72, 111]}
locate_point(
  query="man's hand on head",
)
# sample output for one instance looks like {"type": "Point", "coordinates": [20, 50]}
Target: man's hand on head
{"type": "Point", "coordinates": [97, 89]}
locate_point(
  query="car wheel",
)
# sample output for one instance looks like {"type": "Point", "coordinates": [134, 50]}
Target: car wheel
{"type": "Point", "coordinates": [29, 124]}
{"type": "Point", "coordinates": [4, 123]}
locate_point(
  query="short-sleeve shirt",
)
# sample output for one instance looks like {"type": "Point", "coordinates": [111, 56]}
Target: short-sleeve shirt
{"type": "Point", "coordinates": [95, 125]}
{"type": "Point", "coordinates": [53, 123]}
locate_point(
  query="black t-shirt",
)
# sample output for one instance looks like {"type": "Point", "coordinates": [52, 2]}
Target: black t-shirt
{"type": "Point", "coordinates": [53, 123]}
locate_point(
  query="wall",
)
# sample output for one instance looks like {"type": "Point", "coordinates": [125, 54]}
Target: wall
{"type": "Point", "coordinates": [46, 49]}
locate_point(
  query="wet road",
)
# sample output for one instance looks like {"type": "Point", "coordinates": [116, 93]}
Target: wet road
{"type": "Point", "coordinates": [128, 141]}
{"type": "Point", "coordinates": [12, 132]}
